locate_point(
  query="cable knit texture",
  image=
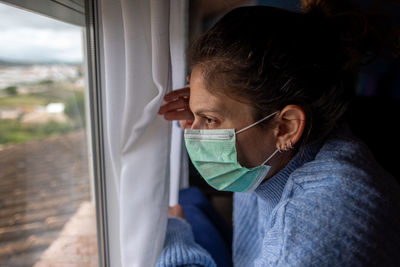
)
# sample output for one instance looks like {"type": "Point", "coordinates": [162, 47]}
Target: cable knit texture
{"type": "Point", "coordinates": [181, 248]}
{"type": "Point", "coordinates": [331, 205]}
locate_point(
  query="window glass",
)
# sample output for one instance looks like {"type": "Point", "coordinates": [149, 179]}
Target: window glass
{"type": "Point", "coordinates": [47, 210]}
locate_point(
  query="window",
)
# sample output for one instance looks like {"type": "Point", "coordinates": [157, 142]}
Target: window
{"type": "Point", "coordinates": [48, 186]}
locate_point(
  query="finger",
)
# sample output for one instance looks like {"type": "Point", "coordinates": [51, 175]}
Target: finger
{"type": "Point", "coordinates": [180, 103]}
{"type": "Point", "coordinates": [176, 211]}
{"type": "Point", "coordinates": [183, 92]}
{"type": "Point", "coordinates": [179, 115]}
{"type": "Point", "coordinates": [176, 207]}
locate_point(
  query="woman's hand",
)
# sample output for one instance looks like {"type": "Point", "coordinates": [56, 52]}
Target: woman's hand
{"type": "Point", "coordinates": [176, 211]}
{"type": "Point", "coordinates": [177, 107]}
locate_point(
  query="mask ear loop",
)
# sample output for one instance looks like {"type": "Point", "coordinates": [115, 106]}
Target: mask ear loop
{"type": "Point", "coordinates": [270, 157]}
{"type": "Point", "coordinates": [257, 122]}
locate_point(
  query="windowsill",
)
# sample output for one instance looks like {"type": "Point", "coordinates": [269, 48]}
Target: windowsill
{"type": "Point", "coordinates": [77, 243]}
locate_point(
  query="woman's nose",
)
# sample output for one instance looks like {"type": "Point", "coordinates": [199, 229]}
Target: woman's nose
{"type": "Point", "coordinates": [195, 125]}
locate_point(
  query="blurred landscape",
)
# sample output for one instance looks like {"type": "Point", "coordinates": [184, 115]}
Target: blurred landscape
{"type": "Point", "coordinates": [39, 100]}
{"type": "Point", "coordinates": [47, 217]}
{"type": "Point", "coordinates": [47, 210]}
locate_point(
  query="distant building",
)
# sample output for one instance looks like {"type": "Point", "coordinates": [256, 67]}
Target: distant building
{"type": "Point", "coordinates": [55, 108]}
{"type": "Point", "coordinates": [42, 115]}
{"type": "Point", "coordinates": [21, 75]}
{"type": "Point", "coordinates": [10, 113]}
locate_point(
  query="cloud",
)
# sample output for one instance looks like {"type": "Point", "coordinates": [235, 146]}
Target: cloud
{"type": "Point", "coordinates": [25, 36]}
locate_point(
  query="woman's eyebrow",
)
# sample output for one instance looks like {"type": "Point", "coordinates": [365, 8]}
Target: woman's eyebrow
{"type": "Point", "coordinates": [201, 111]}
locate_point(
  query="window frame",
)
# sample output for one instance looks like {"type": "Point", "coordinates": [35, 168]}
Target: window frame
{"type": "Point", "coordinates": [69, 11]}
{"type": "Point", "coordinates": [86, 16]}
{"type": "Point", "coordinates": [96, 115]}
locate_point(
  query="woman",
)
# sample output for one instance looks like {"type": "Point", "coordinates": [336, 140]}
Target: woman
{"type": "Point", "coordinates": [265, 119]}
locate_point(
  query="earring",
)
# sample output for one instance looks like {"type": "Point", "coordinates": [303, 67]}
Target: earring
{"type": "Point", "coordinates": [291, 145]}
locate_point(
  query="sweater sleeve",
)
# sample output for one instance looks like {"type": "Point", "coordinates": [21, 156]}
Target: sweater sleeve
{"type": "Point", "coordinates": [180, 249]}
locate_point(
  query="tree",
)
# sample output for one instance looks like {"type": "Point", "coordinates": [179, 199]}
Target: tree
{"type": "Point", "coordinates": [75, 109]}
{"type": "Point", "coordinates": [11, 90]}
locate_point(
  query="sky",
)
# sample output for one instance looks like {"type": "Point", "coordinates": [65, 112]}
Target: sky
{"type": "Point", "coordinates": [25, 36]}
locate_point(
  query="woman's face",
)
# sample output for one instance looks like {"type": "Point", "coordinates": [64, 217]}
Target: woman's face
{"type": "Point", "coordinates": [217, 111]}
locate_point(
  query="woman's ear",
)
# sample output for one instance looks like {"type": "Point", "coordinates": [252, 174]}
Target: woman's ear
{"type": "Point", "coordinates": [290, 126]}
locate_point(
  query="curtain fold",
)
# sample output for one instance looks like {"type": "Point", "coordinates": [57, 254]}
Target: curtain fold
{"type": "Point", "coordinates": [179, 32]}
{"type": "Point", "coordinates": [137, 73]}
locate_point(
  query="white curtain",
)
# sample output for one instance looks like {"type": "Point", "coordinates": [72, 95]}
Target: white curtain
{"type": "Point", "coordinates": [143, 45]}
{"type": "Point", "coordinates": [178, 43]}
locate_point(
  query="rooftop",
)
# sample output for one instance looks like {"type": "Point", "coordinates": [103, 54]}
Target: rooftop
{"type": "Point", "coordinates": [45, 209]}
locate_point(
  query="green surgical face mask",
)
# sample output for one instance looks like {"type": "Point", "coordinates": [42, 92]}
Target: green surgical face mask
{"type": "Point", "coordinates": [213, 153]}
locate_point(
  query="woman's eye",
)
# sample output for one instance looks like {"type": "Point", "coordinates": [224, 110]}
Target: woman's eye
{"type": "Point", "coordinates": [209, 120]}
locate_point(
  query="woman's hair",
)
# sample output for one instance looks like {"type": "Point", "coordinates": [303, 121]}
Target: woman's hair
{"type": "Point", "coordinates": [271, 58]}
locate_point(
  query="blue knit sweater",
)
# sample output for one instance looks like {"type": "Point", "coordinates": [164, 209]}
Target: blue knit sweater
{"type": "Point", "coordinates": [332, 205]}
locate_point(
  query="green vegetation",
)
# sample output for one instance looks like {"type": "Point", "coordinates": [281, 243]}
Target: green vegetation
{"type": "Point", "coordinates": [75, 108]}
{"type": "Point", "coordinates": [11, 90]}
{"type": "Point", "coordinates": [42, 93]}
{"type": "Point", "coordinates": [46, 82]}
{"type": "Point", "coordinates": [15, 132]}
{"type": "Point", "coordinates": [47, 91]}
{"type": "Point", "coordinates": [21, 100]}
{"type": "Point", "coordinates": [54, 92]}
